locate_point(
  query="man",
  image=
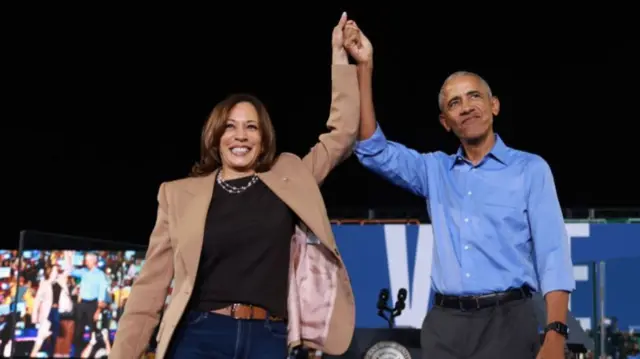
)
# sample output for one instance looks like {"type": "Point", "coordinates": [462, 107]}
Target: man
{"type": "Point", "coordinates": [498, 227]}
{"type": "Point", "coordinates": [92, 299]}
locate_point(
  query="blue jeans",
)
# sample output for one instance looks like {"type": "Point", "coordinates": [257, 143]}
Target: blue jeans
{"type": "Point", "coordinates": [54, 318]}
{"type": "Point", "coordinates": [204, 335]}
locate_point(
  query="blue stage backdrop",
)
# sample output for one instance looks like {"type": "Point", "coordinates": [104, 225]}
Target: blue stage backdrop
{"type": "Point", "coordinates": [398, 256]}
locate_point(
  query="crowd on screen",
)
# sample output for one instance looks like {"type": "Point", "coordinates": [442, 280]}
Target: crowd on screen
{"type": "Point", "coordinates": [63, 303]}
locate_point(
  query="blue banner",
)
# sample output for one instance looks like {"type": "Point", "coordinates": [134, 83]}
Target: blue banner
{"type": "Point", "coordinates": [398, 256]}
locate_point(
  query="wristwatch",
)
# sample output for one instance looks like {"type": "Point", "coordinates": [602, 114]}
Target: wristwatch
{"type": "Point", "coordinates": [559, 328]}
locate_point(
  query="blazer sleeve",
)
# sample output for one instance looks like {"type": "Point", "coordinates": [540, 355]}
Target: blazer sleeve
{"type": "Point", "coordinates": [148, 293]}
{"type": "Point", "coordinates": [37, 302]}
{"type": "Point", "coordinates": [344, 120]}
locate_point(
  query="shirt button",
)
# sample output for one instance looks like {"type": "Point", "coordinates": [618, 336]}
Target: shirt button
{"type": "Point", "coordinates": [466, 247]}
{"type": "Point", "coordinates": [469, 193]}
{"type": "Point", "coordinates": [466, 219]}
{"type": "Point", "coordinates": [468, 275]}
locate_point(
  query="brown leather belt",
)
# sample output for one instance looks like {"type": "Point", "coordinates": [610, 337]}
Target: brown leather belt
{"type": "Point", "coordinates": [245, 311]}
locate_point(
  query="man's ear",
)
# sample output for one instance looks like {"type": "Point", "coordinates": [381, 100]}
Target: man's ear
{"type": "Point", "coordinates": [443, 122]}
{"type": "Point", "coordinates": [495, 105]}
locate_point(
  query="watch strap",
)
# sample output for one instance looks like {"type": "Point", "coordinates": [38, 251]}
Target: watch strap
{"type": "Point", "coordinates": [559, 328]}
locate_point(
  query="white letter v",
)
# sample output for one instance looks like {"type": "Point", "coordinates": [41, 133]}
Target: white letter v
{"type": "Point", "coordinates": [419, 293]}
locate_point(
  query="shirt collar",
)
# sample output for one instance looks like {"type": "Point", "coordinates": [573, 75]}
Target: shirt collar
{"type": "Point", "coordinates": [500, 152]}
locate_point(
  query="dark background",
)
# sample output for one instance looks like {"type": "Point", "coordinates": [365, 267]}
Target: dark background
{"type": "Point", "coordinates": [106, 106]}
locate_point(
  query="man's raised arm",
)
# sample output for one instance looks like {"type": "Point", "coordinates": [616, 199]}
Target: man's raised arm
{"type": "Point", "coordinates": [395, 162]}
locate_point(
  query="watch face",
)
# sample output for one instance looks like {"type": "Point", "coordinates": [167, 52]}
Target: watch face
{"type": "Point", "coordinates": [559, 328]}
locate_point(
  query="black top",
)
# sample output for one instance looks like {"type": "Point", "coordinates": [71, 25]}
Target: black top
{"type": "Point", "coordinates": [57, 289]}
{"type": "Point", "coordinates": [245, 251]}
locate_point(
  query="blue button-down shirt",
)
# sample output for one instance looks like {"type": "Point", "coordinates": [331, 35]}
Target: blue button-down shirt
{"type": "Point", "coordinates": [496, 225]}
{"type": "Point", "coordinates": [93, 284]}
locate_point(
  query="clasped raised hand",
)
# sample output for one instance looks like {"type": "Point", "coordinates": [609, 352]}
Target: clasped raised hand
{"type": "Point", "coordinates": [358, 45]}
{"type": "Point", "coordinates": [347, 39]}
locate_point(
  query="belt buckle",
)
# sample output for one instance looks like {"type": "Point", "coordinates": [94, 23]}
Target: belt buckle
{"type": "Point", "coordinates": [234, 308]}
{"type": "Point", "coordinates": [465, 309]}
{"type": "Point", "coordinates": [461, 303]}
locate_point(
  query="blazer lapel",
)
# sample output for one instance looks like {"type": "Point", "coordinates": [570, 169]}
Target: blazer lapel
{"type": "Point", "coordinates": [194, 216]}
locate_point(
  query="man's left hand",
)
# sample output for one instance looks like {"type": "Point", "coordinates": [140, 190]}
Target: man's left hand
{"type": "Point", "coordinates": [552, 347]}
{"type": "Point", "coordinates": [358, 44]}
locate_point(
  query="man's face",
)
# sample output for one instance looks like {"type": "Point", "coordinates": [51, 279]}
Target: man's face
{"type": "Point", "coordinates": [91, 260]}
{"type": "Point", "coordinates": [468, 109]}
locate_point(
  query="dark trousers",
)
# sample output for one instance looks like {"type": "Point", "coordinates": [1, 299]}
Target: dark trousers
{"type": "Point", "coordinates": [54, 318]}
{"type": "Point", "coordinates": [84, 318]}
{"type": "Point", "coordinates": [203, 335]}
{"type": "Point", "coordinates": [508, 330]}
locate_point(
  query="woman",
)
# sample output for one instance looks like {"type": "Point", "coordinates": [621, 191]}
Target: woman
{"type": "Point", "coordinates": [52, 301]}
{"type": "Point", "coordinates": [248, 241]}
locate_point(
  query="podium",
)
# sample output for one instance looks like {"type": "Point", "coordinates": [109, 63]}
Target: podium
{"type": "Point", "coordinates": [365, 338]}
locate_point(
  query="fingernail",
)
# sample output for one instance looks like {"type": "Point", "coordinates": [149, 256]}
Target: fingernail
{"type": "Point", "coordinates": [344, 13]}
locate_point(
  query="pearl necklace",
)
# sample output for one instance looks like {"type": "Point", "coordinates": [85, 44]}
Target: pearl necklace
{"type": "Point", "coordinates": [233, 189]}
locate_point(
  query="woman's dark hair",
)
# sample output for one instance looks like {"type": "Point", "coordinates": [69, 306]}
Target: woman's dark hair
{"type": "Point", "coordinates": [215, 126]}
{"type": "Point", "coordinates": [48, 270]}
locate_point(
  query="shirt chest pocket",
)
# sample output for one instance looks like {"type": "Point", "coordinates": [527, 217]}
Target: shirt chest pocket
{"type": "Point", "coordinates": [507, 206]}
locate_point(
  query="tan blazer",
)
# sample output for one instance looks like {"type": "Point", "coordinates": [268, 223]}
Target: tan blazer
{"type": "Point", "coordinates": [44, 300]}
{"type": "Point", "coordinates": [320, 301]}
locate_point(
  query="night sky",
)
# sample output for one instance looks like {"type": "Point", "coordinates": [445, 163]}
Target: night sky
{"type": "Point", "coordinates": [104, 110]}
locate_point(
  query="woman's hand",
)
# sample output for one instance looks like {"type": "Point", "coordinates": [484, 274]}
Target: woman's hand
{"type": "Point", "coordinates": [339, 53]}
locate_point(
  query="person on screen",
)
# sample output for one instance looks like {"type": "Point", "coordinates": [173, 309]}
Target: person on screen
{"type": "Point", "coordinates": [51, 302]}
{"type": "Point", "coordinates": [498, 228]}
{"type": "Point", "coordinates": [230, 233]}
{"type": "Point", "coordinates": [99, 344]}
{"type": "Point", "coordinates": [22, 290]}
{"type": "Point", "coordinates": [7, 326]}
{"type": "Point", "coordinates": [91, 298]}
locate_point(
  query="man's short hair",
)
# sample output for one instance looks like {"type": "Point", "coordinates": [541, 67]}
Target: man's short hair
{"type": "Point", "coordinates": [459, 74]}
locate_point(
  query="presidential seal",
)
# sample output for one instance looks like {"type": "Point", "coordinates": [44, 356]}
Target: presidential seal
{"type": "Point", "coordinates": [387, 350]}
